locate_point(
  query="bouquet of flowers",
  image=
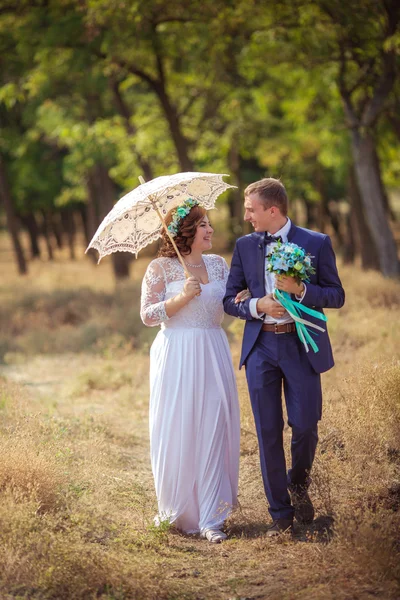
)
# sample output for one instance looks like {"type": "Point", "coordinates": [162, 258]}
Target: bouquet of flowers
{"type": "Point", "coordinates": [293, 261]}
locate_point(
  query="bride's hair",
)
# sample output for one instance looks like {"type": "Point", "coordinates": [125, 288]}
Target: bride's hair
{"type": "Point", "coordinates": [186, 232]}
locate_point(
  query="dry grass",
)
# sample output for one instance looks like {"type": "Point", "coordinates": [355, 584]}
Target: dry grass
{"type": "Point", "coordinates": [76, 492]}
{"type": "Point", "coordinates": [28, 475]}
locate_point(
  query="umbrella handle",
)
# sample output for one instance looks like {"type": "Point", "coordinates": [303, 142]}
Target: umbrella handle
{"type": "Point", "coordinates": [168, 231]}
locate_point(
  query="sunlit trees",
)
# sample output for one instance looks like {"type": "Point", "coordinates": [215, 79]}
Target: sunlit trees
{"type": "Point", "coordinates": [94, 94]}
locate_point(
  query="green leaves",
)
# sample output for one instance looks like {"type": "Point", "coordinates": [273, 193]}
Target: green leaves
{"type": "Point", "coordinates": [151, 82]}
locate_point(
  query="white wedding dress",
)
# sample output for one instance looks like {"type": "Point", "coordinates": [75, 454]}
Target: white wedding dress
{"type": "Point", "coordinates": [194, 410]}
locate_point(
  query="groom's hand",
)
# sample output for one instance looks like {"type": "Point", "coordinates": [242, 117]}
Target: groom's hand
{"type": "Point", "coordinates": [269, 306]}
{"type": "Point", "coordinates": [289, 284]}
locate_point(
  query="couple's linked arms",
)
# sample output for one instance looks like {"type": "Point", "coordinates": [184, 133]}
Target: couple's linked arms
{"type": "Point", "coordinates": [235, 284]}
{"type": "Point", "coordinates": [326, 293]}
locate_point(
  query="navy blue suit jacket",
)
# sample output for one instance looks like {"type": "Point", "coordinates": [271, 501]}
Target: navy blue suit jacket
{"type": "Point", "coordinates": [323, 291]}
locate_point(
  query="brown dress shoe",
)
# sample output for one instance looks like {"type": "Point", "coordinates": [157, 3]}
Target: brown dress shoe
{"type": "Point", "coordinates": [280, 526]}
{"type": "Point", "coordinates": [303, 507]}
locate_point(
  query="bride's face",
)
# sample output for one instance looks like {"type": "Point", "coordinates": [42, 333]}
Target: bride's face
{"type": "Point", "coordinates": [202, 239]}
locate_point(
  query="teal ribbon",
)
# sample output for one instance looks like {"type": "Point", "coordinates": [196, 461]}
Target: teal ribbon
{"type": "Point", "coordinates": [294, 309]}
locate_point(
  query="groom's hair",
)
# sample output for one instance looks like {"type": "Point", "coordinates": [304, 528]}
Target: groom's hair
{"type": "Point", "coordinates": [271, 193]}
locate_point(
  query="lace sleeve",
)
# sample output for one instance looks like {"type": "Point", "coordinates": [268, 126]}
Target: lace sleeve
{"type": "Point", "coordinates": [152, 305]}
{"type": "Point", "coordinates": [225, 270]}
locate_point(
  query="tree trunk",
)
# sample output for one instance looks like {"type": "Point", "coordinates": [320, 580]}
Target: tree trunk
{"type": "Point", "coordinates": [106, 189]}
{"type": "Point", "coordinates": [311, 213]}
{"type": "Point", "coordinates": [385, 197]}
{"type": "Point", "coordinates": [121, 264]}
{"type": "Point", "coordinates": [107, 196]}
{"type": "Point", "coordinates": [56, 229]}
{"type": "Point", "coordinates": [395, 123]}
{"type": "Point", "coordinates": [171, 114]}
{"type": "Point", "coordinates": [370, 186]}
{"type": "Point", "coordinates": [120, 260]}
{"type": "Point", "coordinates": [5, 197]}
{"type": "Point", "coordinates": [322, 213]}
{"type": "Point", "coordinates": [334, 217]}
{"type": "Point", "coordinates": [369, 254]}
{"type": "Point", "coordinates": [31, 226]}
{"type": "Point", "coordinates": [180, 141]}
{"type": "Point", "coordinates": [322, 208]}
{"type": "Point", "coordinates": [92, 213]}
{"type": "Point", "coordinates": [349, 244]}
{"type": "Point", "coordinates": [47, 234]}
{"type": "Point", "coordinates": [126, 113]}
{"type": "Point", "coordinates": [235, 198]}
{"type": "Point", "coordinates": [82, 210]}
{"type": "Point", "coordinates": [67, 221]}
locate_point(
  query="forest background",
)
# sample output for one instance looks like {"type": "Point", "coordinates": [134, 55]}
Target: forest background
{"type": "Point", "coordinates": [94, 93]}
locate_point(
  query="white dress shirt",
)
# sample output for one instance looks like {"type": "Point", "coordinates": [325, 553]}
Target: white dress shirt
{"type": "Point", "coordinates": [270, 281]}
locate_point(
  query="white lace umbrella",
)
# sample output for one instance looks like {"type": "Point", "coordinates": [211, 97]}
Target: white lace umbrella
{"type": "Point", "coordinates": [137, 219]}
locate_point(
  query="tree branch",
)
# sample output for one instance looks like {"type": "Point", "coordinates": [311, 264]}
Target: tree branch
{"type": "Point", "coordinates": [395, 123]}
{"type": "Point", "coordinates": [163, 20]}
{"type": "Point", "coordinates": [366, 71]}
{"type": "Point", "coordinates": [387, 80]}
{"type": "Point", "coordinates": [154, 83]}
{"type": "Point", "coordinates": [122, 107]}
{"type": "Point", "coordinates": [344, 92]}
{"type": "Point", "coordinates": [381, 91]}
{"type": "Point", "coordinates": [189, 104]}
{"type": "Point", "coordinates": [156, 43]}
{"type": "Point", "coordinates": [125, 112]}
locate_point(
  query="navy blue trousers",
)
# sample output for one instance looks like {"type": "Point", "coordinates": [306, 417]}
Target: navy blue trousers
{"type": "Point", "coordinates": [277, 359]}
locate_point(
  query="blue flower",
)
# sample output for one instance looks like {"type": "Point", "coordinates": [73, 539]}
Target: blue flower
{"type": "Point", "coordinates": [179, 214]}
{"type": "Point", "coordinates": [280, 264]}
{"type": "Point", "coordinates": [291, 259]}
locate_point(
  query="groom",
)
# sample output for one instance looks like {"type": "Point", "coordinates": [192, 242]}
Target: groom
{"type": "Point", "coordinates": [272, 351]}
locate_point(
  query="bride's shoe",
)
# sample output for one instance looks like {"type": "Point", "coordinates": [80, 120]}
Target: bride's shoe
{"type": "Point", "coordinates": [215, 536]}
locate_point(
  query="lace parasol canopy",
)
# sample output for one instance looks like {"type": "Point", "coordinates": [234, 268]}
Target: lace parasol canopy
{"type": "Point", "coordinates": [133, 222]}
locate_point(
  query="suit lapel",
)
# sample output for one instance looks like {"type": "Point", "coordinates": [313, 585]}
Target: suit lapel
{"type": "Point", "coordinates": [292, 232]}
{"type": "Point", "coordinates": [261, 261]}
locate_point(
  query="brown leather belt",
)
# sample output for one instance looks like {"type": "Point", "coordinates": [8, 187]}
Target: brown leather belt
{"type": "Point", "coordinates": [279, 328]}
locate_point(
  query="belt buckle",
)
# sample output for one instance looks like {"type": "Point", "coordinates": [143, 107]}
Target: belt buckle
{"type": "Point", "coordinates": [278, 332]}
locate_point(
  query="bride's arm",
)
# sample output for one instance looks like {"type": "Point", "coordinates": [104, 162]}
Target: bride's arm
{"type": "Point", "coordinates": [154, 309]}
{"type": "Point", "coordinates": [152, 302]}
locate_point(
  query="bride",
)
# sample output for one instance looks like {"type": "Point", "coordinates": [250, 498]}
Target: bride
{"type": "Point", "coordinates": [194, 411]}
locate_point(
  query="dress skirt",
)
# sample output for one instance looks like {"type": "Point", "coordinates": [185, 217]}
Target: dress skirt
{"type": "Point", "coordinates": [194, 427]}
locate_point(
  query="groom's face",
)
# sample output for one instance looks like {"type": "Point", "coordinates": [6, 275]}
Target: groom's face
{"type": "Point", "coordinates": [254, 212]}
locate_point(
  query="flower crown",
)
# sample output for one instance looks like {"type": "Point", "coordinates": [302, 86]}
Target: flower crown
{"type": "Point", "coordinates": [180, 213]}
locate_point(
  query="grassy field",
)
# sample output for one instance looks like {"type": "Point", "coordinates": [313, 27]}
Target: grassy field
{"type": "Point", "coordinates": [76, 491]}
